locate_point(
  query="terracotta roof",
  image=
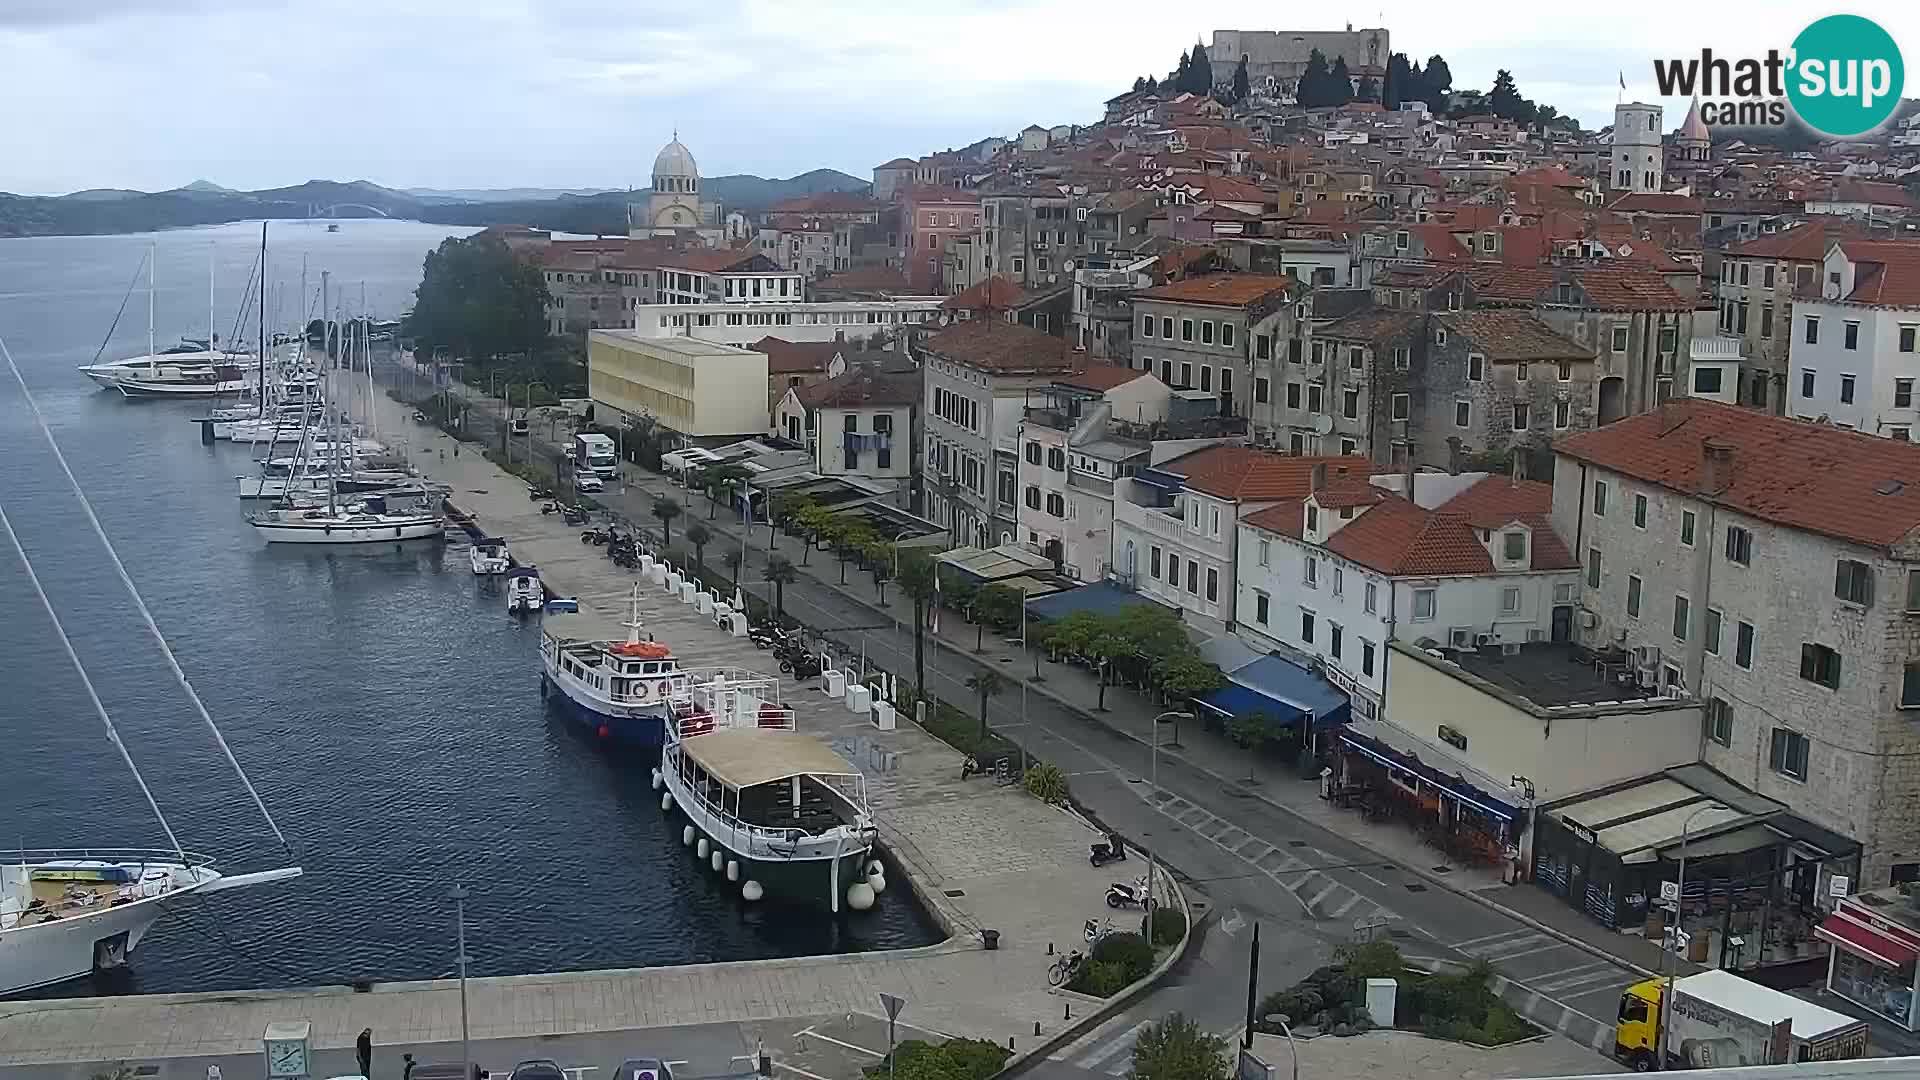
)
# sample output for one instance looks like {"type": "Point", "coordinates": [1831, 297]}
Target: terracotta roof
{"type": "Point", "coordinates": [1807, 241]}
{"type": "Point", "coordinates": [1654, 202]}
{"type": "Point", "coordinates": [997, 293]}
{"type": "Point", "coordinates": [1374, 324]}
{"type": "Point", "coordinates": [796, 357]}
{"type": "Point", "coordinates": [1001, 346]}
{"type": "Point", "coordinates": [1609, 288]}
{"type": "Point", "coordinates": [1887, 274]}
{"type": "Point", "coordinates": [1514, 335]}
{"type": "Point", "coordinates": [1242, 472]}
{"type": "Point", "coordinates": [1400, 538]}
{"type": "Point", "coordinates": [1500, 500]}
{"type": "Point", "coordinates": [710, 260]}
{"type": "Point", "coordinates": [1813, 477]}
{"type": "Point", "coordinates": [1102, 377]}
{"type": "Point", "coordinates": [1872, 192]}
{"type": "Point", "coordinates": [862, 386]}
{"type": "Point", "coordinates": [827, 202]}
{"type": "Point", "coordinates": [865, 279]}
{"type": "Point", "coordinates": [1227, 290]}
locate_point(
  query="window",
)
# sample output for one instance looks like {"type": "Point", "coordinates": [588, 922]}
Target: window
{"type": "Point", "coordinates": [1520, 371]}
{"type": "Point", "coordinates": [1739, 546]}
{"type": "Point", "coordinates": [1686, 527]}
{"type": "Point", "coordinates": [1520, 416]}
{"type": "Point", "coordinates": [1033, 452]}
{"type": "Point", "coordinates": [1306, 626]}
{"type": "Point", "coordinates": [1206, 378]}
{"type": "Point", "coordinates": [1153, 561]}
{"type": "Point", "coordinates": [1315, 394]}
{"type": "Point", "coordinates": [1213, 585]}
{"type": "Point", "coordinates": [1820, 664]}
{"type": "Point", "coordinates": [1476, 367]}
{"type": "Point", "coordinates": [1563, 414]}
{"type": "Point", "coordinates": [1339, 581]}
{"type": "Point", "coordinates": [1706, 380]}
{"type": "Point", "coordinates": [1813, 329]}
{"type": "Point", "coordinates": [1166, 372]}
{"type": "Point", "coordinates": [1850, 335]}
{"type": "Point", "coordinates": [1193, 576]}
{"type": "Point", "coordinates": [1146, 326]}
{"type": "Point", "coordinates": [1265, 550]}
{"type": "Point", "coordinates": [1402, 358]}
{"type": "Point", "coordinates": [1903, 393]}
{"type": "Point", "coordinates": [1262, 605]}
{"type": "Point", "coordinates": [1056, 504]}
{"type": "Point", "coordinates": [1599, 498]}
{"type": "Point", "coordinates": [1719, 721]}
{"type": "Point", "coordinates": [1619, 339]}
{"type": "Point", "coordinates": [1316, 352]}
{"type": "Point", "coordinates": [1806, 383]}
{"type": "Point", "coordinates": [1906, 338]}
{"type": "Point", "coordinates": [1206, 332]}
{"type": "Point", "coordinates": [1173, 570]}
{"type": "Point", "coordinates": [1333, 639]}
{"type": "Point", "coordinates": [1402, 406]}
{"type": "Point", "coordinates": [1350, 404]}
{"type": "Point", "coordinates": [1593, 568]}
{"type": "Point", "coordinates": [1356, 358]}
{"type": "Point", "coordinates": [1913, 591]}
{"type": "Point", "coordinates": [1509, 601]}
{"type": "Point", "coordinates": [1311, 572]}
{"type": "Point", "coordinates": [1369, 595]}
{"type": "Point", "coordinates": [1743, 645]}
{"type": "Point", "coordinates": [1423, 605]}
{"type": "Point", "coordinates": [1712, 631]}
{"type": "Point", "coordinates": [1263, 346]}
{"type": "Point", "coordinates": [1846, 389]}
{"type": "Point", "coordinates": [1166, 327]}
{"type": "Point", "coordinates": [1186, 329]}
{"type": "Point", "coordinates": [1186, 375]}
{"type": "Point", "coordinates": [1682, 617]}
{"type": "Point", "coordinates": [1639, 511]}
{"type": "Point", "coordinates": [1033, 497]}
{"type": "Point", "coordinates": [1853, 582]}
{"type": "Point", "coordinates": [1226, 335]}
{"type": "Point", "coordinates": [1262, 390]}
{"type": "Point", "coordinates": [1787, 754]}
{"type": "Point", "coordinates": [1462, 414]}
{"type": "Point", "coordinates": [1366, 657]}
{"type": "Point", "coordinates": [1056, 459]}
{"type": "Point", "coordinates": [1514, 545]}
{"type": "Point", "coordinates": [1633, 596]}
{"type": "Point", "coordinates": [1293, 395]}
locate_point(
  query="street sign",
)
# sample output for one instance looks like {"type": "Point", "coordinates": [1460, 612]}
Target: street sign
{"type": "Point", "coordinates": [1837, 886]}
{"type": "Point", "coordinates": [1670, 892]}
{"type": "Point", "coordinates": [893, 1005]}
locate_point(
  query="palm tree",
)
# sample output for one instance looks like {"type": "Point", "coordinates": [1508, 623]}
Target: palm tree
{"type": "Point", "coordinates": [699, 536]}
{"type": "Point", "coordinates": [781, 571]}
{"type": "Point", "coordinates": [666, 510]}
{"type": "Point", "coordinates": [916, 579]}
{"type": "Point", "coordinates": [732, 561]}
{"type": "Point", "coordinates": [880, 562]}
{"type": "Point", "coordinates": [986, 684]}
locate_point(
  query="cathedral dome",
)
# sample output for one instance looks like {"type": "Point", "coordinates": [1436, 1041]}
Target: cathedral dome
{"type": "Point", "coordinates": [675, 161]}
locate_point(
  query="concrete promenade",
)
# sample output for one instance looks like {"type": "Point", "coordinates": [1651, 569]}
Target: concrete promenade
{"type": "Point", "coordinates": [981, 855]}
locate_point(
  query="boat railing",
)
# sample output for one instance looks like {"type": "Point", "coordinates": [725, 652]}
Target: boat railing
{"type": "Point", "coordinates": [767, 834]}
{"type": "Point", "coordinates": [17, 856]}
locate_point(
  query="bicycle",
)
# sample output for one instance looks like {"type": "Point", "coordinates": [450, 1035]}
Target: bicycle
{"type": "Point", "coordinates": [1065, 968]}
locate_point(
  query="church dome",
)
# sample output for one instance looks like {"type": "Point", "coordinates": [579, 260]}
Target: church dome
{"type": "Point", "coordinates": [675, 160]}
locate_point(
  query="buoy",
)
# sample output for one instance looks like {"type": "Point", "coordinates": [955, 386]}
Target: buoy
{"type": "Point", "coordinates": [666, 800]}
{"type": "Point", "coordinates": [701, 848]}
{"type": "Point", "coordinates": [718, 858]}
{"type": "Point", "coordinates": [686, 836]}
{"type": "Point", "coordinates": [752, 891]}
{"type": "Point", "coordinates": [877, 882]}
{"type": "Point", "coordinates": [605, 731]}
{"type": "Point", "coordinates": [860, 896]}
{"type": "Point", "coordinates": [733, 870]}
{"type": "Point", "coordinates": [657, 780]}
{"type": "Point", "coordinates": [874, 867]}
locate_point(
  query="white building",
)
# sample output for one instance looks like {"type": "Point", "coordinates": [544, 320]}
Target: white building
{"type": "Point", "coordinates": [860, 423]}
{"type": "Point", "coordinates": [1638, 155]}
{"type": "Point", "coordinates": [1070, 459]}
{"type": "Point", "coordinates": [1768, 568]}
{"type": "Point", "coordinates": [1472, 562]}
{"type": "Point", "coordinates": [1176, 524]}
{"type": "Point", "coordinates": [697, 388]}
{"type": "Point", "coordinates": [1713, 365]}
{"type": "Point", "coordinates": [746, 324]}
{"type": "Point", "coordinates": [1852, 355]}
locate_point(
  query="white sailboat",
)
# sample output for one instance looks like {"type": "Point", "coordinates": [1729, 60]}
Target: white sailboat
{"type": "Point", "coordinates": [68, 913]}
{"type": "Point", "coordinates": [185, 371]}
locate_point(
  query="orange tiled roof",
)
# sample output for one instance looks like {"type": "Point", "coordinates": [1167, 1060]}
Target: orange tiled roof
{"type": "Point", "coordinates": [1001, 346]}
{"type": "Point", "coordinates": [1103, 377]}
{"type": "Point", "coordinates": [1609, 288]}
{"type": "Point", "coordinates": [1230, 290]}
{"type": "Point", "coordinates": [1888, 274]}
{"type": "Point", "coordinates": [997, 293]}
{"type": "Point", "coordinates": [1242, 472]}
{"type": "Point", "coordinates": [1373, 324]}
{"type": "Point", "coordinates": [1807, 241]}
{"type": "Point", "coordinates": [1513, 335]}
{"type": "Point", "coordinates": [796, 357]}
{"type": "Point", "coordinates": [1821, 479]}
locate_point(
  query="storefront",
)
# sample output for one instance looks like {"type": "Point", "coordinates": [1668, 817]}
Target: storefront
{"type": "Point", "coordinates": [1756, 876]}
{"type": "Point", "coordinates": [1875, 938]}
{"type": "Point", "coordinates": [1294, 700]}
{"type": "Point", "coordinates": [1395, 775]}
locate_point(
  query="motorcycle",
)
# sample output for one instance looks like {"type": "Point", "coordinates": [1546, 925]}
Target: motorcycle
{"type": "Point", "coordinates": [574, 515]}
{"type": "Point", "coordinates": [802, 668]}
{"type": "Point", "coordinates": [535, 494]}
{"type": "Point", "coordinates": [1127, 893]}
{"type": "Point", "coordinates": [1109, 850]}
{"type": "Point", "coordinates": [550, 508]}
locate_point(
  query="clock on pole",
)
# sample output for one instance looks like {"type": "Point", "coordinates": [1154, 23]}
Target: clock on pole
{"type": "Point", "coordinates": [287, 1044]}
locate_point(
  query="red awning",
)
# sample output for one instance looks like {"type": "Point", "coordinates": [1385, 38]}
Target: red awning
{"type": "Point", "coordinates": [1865, 940]}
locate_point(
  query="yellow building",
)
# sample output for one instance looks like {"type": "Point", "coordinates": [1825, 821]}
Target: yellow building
{"type": "Point", "coordinates": [697, 388]}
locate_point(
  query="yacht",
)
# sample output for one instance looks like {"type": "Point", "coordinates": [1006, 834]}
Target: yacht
{"type": "Point", "coordinates": [524, 591]}
{"type": "Point", "coordinates": [369, 521]}
{"type": "Point", "coordinates": [488, 554]}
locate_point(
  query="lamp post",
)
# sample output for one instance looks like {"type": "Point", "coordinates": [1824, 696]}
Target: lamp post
{"type": "Point", "coordinates": [1153, 779]}
{"type": "Point", "coordinates": [460, 930]}
{"type": "Point", "coordinates": [1669, 962]}
{"type": "Point", "coordinates": [1293, 1047]}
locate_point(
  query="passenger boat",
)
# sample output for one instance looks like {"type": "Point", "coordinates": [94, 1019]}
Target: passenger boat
{"type": "Point", "coordinates": [488, 554]}
{"type": "Point", "coordinates": [615, 689]}
{"type": "Point", "coordinates": [777, 812]}
{"type": "Point", "coordinates": [524, 591]}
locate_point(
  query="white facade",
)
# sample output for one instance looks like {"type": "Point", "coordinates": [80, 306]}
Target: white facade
{"type": "Point", "coordinates": [697, 388]}
{"type": "Point", "coordinates": [746, 324]}
{"type": "Point", "coordinates": [1853, 364]}
{"type": "Point", "coordinates": [1638, 158]}
{"type": "Point", "coordinates": [1045, 514]}
{"type": "Point", "coordinates": [1182, 556]}
{"type": "Point", "coordinates": [1713, 365]}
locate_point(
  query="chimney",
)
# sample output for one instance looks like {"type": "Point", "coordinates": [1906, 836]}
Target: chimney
{"type": "Point", "coordinates": [1716, 466]}
{"type": "Point", "coordinates": [1317, 478]}
{"type": "Point", "coordinates": [1453, 455]}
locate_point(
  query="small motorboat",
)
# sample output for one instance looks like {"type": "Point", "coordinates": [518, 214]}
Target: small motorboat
{"type": "Point", "coordinates": [489, 555]}
{"type": "Point", "coordinates": [524, 592]}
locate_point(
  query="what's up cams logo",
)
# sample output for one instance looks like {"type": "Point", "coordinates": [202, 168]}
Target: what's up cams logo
{"type": "Point", "coordinates": [1842, 77]}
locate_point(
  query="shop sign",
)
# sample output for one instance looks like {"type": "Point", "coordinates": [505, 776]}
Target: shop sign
{"type": "Point", "coordinates": [1579, 831]}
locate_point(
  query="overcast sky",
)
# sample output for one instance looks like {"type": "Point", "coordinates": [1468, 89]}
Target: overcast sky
{"type": "Point", "coordinates": [152, 94]}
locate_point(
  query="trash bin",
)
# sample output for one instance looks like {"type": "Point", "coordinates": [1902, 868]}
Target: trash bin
{"type": "Point", "coordinates": [991, 939]}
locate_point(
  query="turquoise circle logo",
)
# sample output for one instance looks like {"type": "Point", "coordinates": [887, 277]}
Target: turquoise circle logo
{"type": "Point", "coordinates": [1847, 76]}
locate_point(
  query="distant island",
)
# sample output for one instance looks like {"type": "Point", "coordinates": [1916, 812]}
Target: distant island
{"type": "Point", "coordinates": [116, 210]}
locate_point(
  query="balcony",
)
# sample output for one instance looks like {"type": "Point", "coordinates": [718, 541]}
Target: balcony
{"type": "Point", "coordinates": [1164, 522]}
{"type": "Point", "coordinates": [1086, 481]}
{"type": "Point", "coordinates": [1057, 419]}
{"type": "Point", "coordinates": [1206, 427]}
{"type": "Point", "coordinates": [854, 442]}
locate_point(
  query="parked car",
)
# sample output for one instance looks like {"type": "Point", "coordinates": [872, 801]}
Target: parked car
{"type": "Point", "coordinates": [588, 482]}
{"type": "Point", "coordinates": [447, 1070]}
{"type": "Point", "coordinates": [641, 1069]}
{"type": "Point", "coordinates": [538, 1069]}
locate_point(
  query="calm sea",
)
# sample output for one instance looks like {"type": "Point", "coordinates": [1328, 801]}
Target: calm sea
{"type": "Point", "coordinates": [382, 702]}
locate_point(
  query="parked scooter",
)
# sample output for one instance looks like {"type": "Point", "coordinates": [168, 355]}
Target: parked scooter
{"type": "Point", "coordinates": [537, 493]}
{"type": "Point", "coordinates": [1112, 849]}
{"type": "Point", "coordinates": [1127, 893]}
{"type": "Point", "coordinates": [550, 508]}
{"type": "Point", "coordinates": [574, 515]}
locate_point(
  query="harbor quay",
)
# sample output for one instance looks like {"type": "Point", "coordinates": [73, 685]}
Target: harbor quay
{"type": "Point", "coordinates": [978, 855]}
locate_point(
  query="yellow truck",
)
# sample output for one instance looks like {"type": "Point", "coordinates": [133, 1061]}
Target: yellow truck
{"type": "Point", "coordinates": [1719, 1019]}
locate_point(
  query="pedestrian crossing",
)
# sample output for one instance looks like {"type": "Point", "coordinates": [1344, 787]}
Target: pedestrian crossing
{"type": "Point", "coordinates": [1295, 870]}
{"type": "Point", "coordinates": [1550, 966]}
{"type": "Point", "coordinates": [1107, 1050]}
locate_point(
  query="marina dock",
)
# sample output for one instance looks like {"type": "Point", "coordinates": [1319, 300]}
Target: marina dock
{"type": "Point", "coordinates": [980, 856]}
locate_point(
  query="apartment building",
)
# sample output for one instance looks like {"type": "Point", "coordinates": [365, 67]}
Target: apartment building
{"type": "Point", "coordinates": [697, 388]}
{"type": "Point", "coordinates": [1078, 437]}
{"type": "Point", "coordinates": [1854, 358]}
{"type": "Point", "coordinates": [863, 422]}
{"type": "Point", "coordinates": [1768, 568]}
{"type": "Point", "coordinates": [931, 220]}
{"type": "Point", "coordinates": [1759, 282]}
{"type": "Point", "coordinates": [1216, 333]}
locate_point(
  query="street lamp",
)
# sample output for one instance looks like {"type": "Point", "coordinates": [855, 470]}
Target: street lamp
{"type": "Point", "coordinates": [1154, 781]}
{"type": "Point", "coordinates": [1669, 962]}
{"type": "Point", "coordinates": [1293, 1047]}
{"type": "Point", "coordinates": [460, 925]}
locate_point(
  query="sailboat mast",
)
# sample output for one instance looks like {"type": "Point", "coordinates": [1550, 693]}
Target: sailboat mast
{"type": "Point", "coordinates": [260, 388]}
{"type": "Point", "coordinates": [213, 327]}
{"type": "Point", "coordinates": [153, 256]}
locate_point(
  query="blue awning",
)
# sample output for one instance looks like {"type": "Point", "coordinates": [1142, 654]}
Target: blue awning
{"type": "Point", "coordinates": [1281, 689]}
{"type": "Point", "coordinates": [1099, 598]}
{"type": "Point", "coordinates": [1161, 479]}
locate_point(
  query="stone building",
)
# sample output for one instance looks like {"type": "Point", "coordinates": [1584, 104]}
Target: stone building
{"type": "Point", "coordinates": [1356, 390]}
{"type": "Point", "coordinates": [1637, 148]}
{"type": "Point", "coordinates": [1498, 383]}
{"type": "Point", "coordinates": [1277, 58]}
{"type": "Point", "coordinates": [1210, 333]}
{"type": "Point", "coordinates": [1759, 280]}
{"type": "Point", "coordinates": [675, 206]}
{"type": "Point", "coordinates": [1769, 568]}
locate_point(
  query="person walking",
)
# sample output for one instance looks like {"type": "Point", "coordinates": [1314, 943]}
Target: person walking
{"type": "Point", "coordinates": [363, 1049]}
{"type": "Point", "coordinates": [406, 1067]}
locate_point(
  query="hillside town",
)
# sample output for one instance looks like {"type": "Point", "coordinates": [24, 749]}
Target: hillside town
{"type": "Point", "coordinates": [1561, 479]}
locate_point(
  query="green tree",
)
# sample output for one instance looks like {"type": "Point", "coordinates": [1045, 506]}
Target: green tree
{"type": "Point", "coordinates": [477, 299]}
{"type": "Point", "coordinates": [1153, 85]}
{"type": "Point", "coordinates": [1339, 82]}
{"type": "Point", "coordinates": [1186, 675]}
{"type": "Point", "coordinates": [1181, 73]}
{"type": "Point", "coordinates": [880, 564]}
{"type": "Point", "coordinates": [1437, 82]}
{"type": "Point", "coordinates": [985, 685]}
{"type": "Point", "coordinates": [917, 581]}
{"type": "Point", "coordinates": [781, 571]}
{"type": "Point", "coordinates": [1242, 86]}
{"type": "Point", "coordinates": [1177, 1049]}
{"type": "Point", "coordinates": [731, 560]}
{"type": "Point", "coordinates": [1311, 92]}
{"type": "Point", "coordinates": [1199, 71]}
{"type": "Point", "coordinates": [1505, 100]}
{"type": "Point", "coordinates": [699, 536]}
{"type": "Point", "coordinates": [1139, 83]}
{"type": "Point", "coordinates": [666, 510]}
{"type": "Point", "coordinates": [1369, 90]}
{"type": "Point", "coordinates": [1399, 83]}
{"type": "Point", "coordinates": [722, 481]}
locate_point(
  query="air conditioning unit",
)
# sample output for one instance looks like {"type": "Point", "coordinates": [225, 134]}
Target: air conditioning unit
{"type": "Point", "coordinates": [1510, 648]}
{"type": "Point", "coordinates": [1483, 640]}
{"type": "Point", "coordinates": [1649, 678]}
{"type": "Point", "coordinates": [1460, 639]}
{"type": "Point", "coordinates": [1673, 690]}
{"type": "Point", "coordinates": [1590, 620]}
{"type": "Point", "coordinates": [1646, 656]}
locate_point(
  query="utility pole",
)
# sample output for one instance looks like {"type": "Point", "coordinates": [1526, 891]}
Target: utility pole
{"type": "Point", "coordinates": [1253, 987]}
{"type": "Point", "coordinates": [460, 930]}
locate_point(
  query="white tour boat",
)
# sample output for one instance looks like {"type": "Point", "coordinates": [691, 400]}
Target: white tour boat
{"type": "Point", "coordinates": [615, 689]}
{"type": "Point", "coordinates": [488, 554]}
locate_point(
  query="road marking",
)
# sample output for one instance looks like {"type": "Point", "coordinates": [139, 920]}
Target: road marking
{"type": "Point", "coordinates": [1121, 1043]}
{"type": "Point", "coordinates": [1463, 946]}
{"type": "Point", "coordinates": [1585, 979]}
{"type": "Point", "coordinates": [1515, 946]}
{"type": "Point", "coordinates": [1516, 954]}
{"type": "Point", "coordinates": [798, 1070]}
{"type": "Point", "coordinates": [1341, 911]}
{"type": "Point", "coordinates": [1323, 894]}
{"type": "Point", "coordinates": [812, 1034]}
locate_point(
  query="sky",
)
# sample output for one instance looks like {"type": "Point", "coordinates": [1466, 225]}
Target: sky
{"type": "Point", "coordinates": [153, 94]}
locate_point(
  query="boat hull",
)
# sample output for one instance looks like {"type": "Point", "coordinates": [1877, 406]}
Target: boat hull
{"type": "Point", "coordinates": [304, 533]}
{"type": "Point", "coordinates": [611, 725]}
{"type": "Point", "coordinates": [816, 875]}
{"type": "Point", "coordinates": [76, 946]}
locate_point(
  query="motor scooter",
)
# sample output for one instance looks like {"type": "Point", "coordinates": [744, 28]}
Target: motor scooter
{"type": "Point", "coordinates": [1112, 849]}
{"type": "Point", "coordinates": [1127, 893]}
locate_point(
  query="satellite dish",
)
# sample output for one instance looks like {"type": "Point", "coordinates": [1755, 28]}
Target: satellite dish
{"type": "Point", "coordinates": [1067, 265]}
{"type": "Point", "coordinates": [1322, 424]}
